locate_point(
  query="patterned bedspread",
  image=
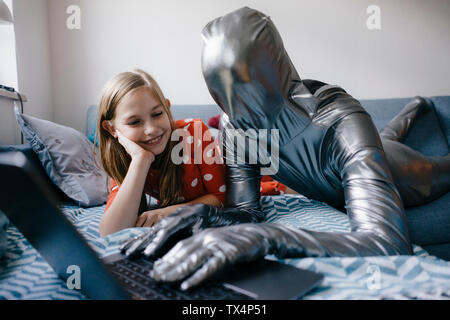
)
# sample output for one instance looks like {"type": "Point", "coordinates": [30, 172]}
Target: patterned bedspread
{"type": "Point", "coordinates": [24, 274]}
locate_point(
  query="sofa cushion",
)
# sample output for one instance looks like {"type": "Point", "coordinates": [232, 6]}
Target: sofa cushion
{"type": "Point", "coordinates": [442, 107]}
{"type": "Point", "coordinates": [425, 135]}
{"type": "Point", "coordinates": [202, 112]}
{"type": "Point", "coordinates": [430, 134]}
{"type": "Point", "coordinates": [430, 223]}
{"type": "Point", "coordinates": [442, 250]}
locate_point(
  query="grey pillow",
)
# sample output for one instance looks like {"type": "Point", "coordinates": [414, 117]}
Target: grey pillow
{"type": "Point", "coordinates": [67, 157]}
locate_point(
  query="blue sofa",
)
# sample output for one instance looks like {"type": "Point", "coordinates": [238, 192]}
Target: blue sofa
{"type": "Point", "coordinates": [429, 224]}
{"type": "Point", "coordinates": [430, 134]}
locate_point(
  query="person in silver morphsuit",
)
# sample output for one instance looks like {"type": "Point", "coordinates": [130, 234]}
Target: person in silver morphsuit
{"type": "Point", "coordinates": [329, 150]}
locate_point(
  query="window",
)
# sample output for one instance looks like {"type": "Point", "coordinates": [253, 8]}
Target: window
{"type": "Point", "coordinates": [8, 63]}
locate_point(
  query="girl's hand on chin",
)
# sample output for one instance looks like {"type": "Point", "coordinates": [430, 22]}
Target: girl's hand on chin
{"type": "Point", "coordinates": [133, 149]}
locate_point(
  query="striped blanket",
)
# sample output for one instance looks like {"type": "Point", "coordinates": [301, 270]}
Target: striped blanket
{"type": "Point", "coordinates": [24, 274]}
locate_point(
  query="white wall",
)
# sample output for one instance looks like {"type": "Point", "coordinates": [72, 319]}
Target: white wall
{"type": "Point", "coordinates": [326, 39]}
{"type": "Point", "coordinates": [25, 65]}
{"type": "Point", "coordinates": [9, 133]}
{"type": "Point", "coordinates": [33, 56]}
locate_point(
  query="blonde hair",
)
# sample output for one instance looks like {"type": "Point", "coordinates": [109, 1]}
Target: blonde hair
{"type": "Point", "coordinates": [113, 155]}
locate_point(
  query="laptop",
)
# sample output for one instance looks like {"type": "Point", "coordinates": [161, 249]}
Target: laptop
{"type": "Point", "coordinates": [29, 201]}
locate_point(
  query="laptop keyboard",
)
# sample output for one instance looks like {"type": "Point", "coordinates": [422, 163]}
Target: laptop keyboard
{"type": "Point", "coordinates": [133, 274]}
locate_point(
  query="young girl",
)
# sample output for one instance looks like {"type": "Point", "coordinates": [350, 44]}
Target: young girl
{"type": "Point", "coordinates": [135, 128]}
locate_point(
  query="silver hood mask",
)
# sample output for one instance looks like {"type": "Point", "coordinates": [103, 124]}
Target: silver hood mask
{"type": "Point", "coordinates": [250, 75]}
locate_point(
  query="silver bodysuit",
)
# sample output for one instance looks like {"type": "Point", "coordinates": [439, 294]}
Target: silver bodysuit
{"type": "Point", "coordinates": [329, 150]}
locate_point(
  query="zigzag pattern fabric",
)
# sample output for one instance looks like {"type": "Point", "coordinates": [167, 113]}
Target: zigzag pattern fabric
{"type": "Point", "coordinates": [24, 274]}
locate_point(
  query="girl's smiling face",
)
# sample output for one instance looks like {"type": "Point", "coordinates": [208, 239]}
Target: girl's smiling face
{"type": "Point", "coordinates": [141, 117]}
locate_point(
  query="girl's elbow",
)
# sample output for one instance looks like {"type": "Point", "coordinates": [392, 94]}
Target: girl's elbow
{"type": "Point", "coordinates": [103, 233]}
{"type": "Point", "coordinates": [104, 229]}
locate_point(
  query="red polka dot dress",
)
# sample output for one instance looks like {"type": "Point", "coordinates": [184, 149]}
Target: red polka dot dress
{"type": "Point", "coordinates": [203, 171]}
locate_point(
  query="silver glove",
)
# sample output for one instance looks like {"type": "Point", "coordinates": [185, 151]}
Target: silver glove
{"type": "Point", "coordinates": [184, 222]}
{"type": "Point", "coordinates": [209, 251]}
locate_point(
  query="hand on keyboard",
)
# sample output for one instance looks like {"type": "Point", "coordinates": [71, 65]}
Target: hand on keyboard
{"type": "Point", "coordinates": [183, 223]}
{"type": "Point", "coordinates": [203, 254]}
